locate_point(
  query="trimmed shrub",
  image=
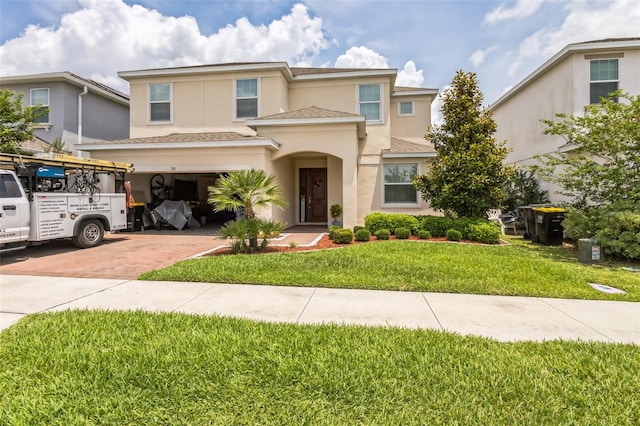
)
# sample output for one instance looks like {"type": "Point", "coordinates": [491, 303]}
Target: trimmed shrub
{"type": "Point", "coordinates": [362, 235]}
{"type": "Point", "coordinates": [332, 231]}
{"type": "Point", "coordinates": [436, 225]}
{"type": "Point", "coordinates": [439, 225]}
{"type": "Point", "coordinates": [357, 228]}
{"type": "Point", "coordinates": [405, 221]}
{"type": "Point", "coordinates": [376, 221]}
{"type": "Point", "coordinates": [402, 233]}
{"type": "Point", "coordinates": [424, 234]}
{"type": "Point", "coordinates": [454, 235]}
{"type": "Point", "coordinates": [343, 236]}
{"type": "Point", "coordinates": [488, 233]}
{"type": "Point", "coordinates": [382, 234]}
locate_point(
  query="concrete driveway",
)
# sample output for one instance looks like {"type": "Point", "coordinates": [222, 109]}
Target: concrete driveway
{"type": "Point", "coordinates": [122, 256]}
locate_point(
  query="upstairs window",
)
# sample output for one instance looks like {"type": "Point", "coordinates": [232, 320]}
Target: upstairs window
{"type": "Point", "coordinates": [405, 108]}
{"type": "Point", "coordinates": [370, 101]}
{"type": "Point", "coordinates": [247, 98]}
{"type": "Point", "coordinates": [398, 184]}
{"type": "Point", "coordinates": [40, 98]}
{"type": "Point", "coordinates": [160, 102]}
{"type": "Point", "coordinates": [603, 78]}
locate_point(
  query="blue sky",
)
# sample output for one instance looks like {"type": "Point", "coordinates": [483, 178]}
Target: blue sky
{"type": "Point", "coordinates": [427, 40]}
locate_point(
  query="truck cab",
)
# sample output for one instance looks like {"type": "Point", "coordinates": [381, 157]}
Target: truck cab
{"type": "Point", "coordinates": [14, 209]}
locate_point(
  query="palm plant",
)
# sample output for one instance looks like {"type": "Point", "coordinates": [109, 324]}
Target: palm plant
{"type": "Point", "coordinates": [246, 190]}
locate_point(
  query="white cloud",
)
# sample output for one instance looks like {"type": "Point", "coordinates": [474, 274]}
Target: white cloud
{"type": "Point", "coordinates": [522, 9]}
{"type": "Point", "coordinates": [361, 57]}
{"type": "Point", "coordinates": [477, 57]}
{"type": "Point", "coordinates": [107, 36]}
{"type": "Point", "coordinates": [409, 76]}
{"type": "Point", "coordinates": [436, 107]}
{"type": "Point", "coordinates": [585, 21]}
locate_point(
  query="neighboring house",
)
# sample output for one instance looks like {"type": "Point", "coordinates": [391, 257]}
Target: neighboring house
{"type": "Point", "coordinates": [576, 76]}
{"type": "Point", "coordinates": [330, 136]}
{"type": "Point", "coordinates": [77, 106]}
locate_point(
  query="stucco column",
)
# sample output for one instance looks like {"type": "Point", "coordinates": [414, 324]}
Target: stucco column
{"type": "Point", "coordinates": [350, 192]}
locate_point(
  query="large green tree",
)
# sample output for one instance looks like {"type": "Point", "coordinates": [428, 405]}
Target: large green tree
{"type": "Point", "coordinates": [16, 121]}
{"type": "Point", "coordinates": [246, 190]}
{"type": "Point", "coordinates": [467, 177]}
{"type": "Point", "coordinates": [604, 166]}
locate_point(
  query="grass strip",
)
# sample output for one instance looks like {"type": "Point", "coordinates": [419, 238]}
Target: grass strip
{"type": "Point", "coordinates": [79, 367]}
{"type": "Point", "coordinates": [415, 266]}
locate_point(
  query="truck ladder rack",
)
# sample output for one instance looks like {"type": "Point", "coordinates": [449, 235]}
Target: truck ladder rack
{"type": "Point", "coordinates": [66, 161]}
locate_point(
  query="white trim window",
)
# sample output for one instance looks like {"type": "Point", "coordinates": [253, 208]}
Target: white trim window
{"type": "Point", "coordinates": [406, 109]}
{"type": "Point", "coordinates": [40, 97]}
{"type": "Point", "coordinates": [398, 186]}
{"type": "Point", "coordinates": [246, 98]}
{"type": "Point", "coordinates": [370, 102]}
{"type": "Point", "coordinates": [603, 79]}
{"type": "Point", "coordinates": [160, 100]}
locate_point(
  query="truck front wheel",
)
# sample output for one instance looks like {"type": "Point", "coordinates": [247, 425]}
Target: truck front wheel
{"type": "Point", "coordinates": [90, 234]}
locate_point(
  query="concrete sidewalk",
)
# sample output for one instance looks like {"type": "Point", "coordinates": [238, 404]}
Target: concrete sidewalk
{"type": "Point", "coordinates": [500, 317]}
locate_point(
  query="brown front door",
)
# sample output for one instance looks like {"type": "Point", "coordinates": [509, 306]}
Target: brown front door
{"type": "Point", "coordinates": [313, 195]}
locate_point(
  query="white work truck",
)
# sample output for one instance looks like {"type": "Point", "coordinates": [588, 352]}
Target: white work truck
{"type": "Point", "coordinates": [59, 197]}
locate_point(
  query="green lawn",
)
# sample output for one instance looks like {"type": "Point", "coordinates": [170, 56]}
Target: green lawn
{"type": "Point", "coordinates": [116, 368]}
{"type": "Point", "coordinates": [520, 269]}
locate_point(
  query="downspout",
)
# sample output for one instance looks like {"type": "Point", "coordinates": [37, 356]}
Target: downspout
{"type": "Point", "coordinates": [85, 90]}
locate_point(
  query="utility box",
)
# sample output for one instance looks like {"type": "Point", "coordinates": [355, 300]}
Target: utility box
{"type": "Point", "coordinates": [589, 251]}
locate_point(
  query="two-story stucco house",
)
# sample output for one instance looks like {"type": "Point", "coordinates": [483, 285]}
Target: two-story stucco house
{"type": "Point", "coordinates": [330, 136]}
{"type": "Point", "coordinates": [576, 76]}
{"type": "Point", "coordinates": [79, 110]}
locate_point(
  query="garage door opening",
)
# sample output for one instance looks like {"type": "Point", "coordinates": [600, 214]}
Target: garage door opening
{"type": "Point", "coordinates": [180, 189]}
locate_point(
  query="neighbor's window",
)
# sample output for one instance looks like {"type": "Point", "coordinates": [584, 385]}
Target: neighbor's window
{"type": "Point", "coordinates": [405, 108]}
{"type": "Point", "coordinates": [398, 184]}
{"type": "Point", "coordinates": [603, 79]}
{"type": "Point", "coordinates": [41, 97]}
{"type": "Point", "coordinates": [160, 102]}
{"type": "Point", "coordinates": [370, 101]}
{"type": "Point", "coordinates": [247, 98]}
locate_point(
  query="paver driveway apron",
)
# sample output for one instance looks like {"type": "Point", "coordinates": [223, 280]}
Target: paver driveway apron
{"type": "Point", "coordinates": [122, 256]}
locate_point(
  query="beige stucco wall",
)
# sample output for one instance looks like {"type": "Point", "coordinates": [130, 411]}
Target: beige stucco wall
{"type": "Point", "coordinates": [342, 96]}
{"type": "Point", "coordinates": [411, 126]}
{"type": "Point", "coordinates": [370, 189]}
{"type": "Point", "coordinates": [190, 160]}
{"type": "Point", "coordinates": [334, 146]}
{"type": "Point", "coordinates": [202, 103]}
{"type": "Point", "coordinates": [518, 119]}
